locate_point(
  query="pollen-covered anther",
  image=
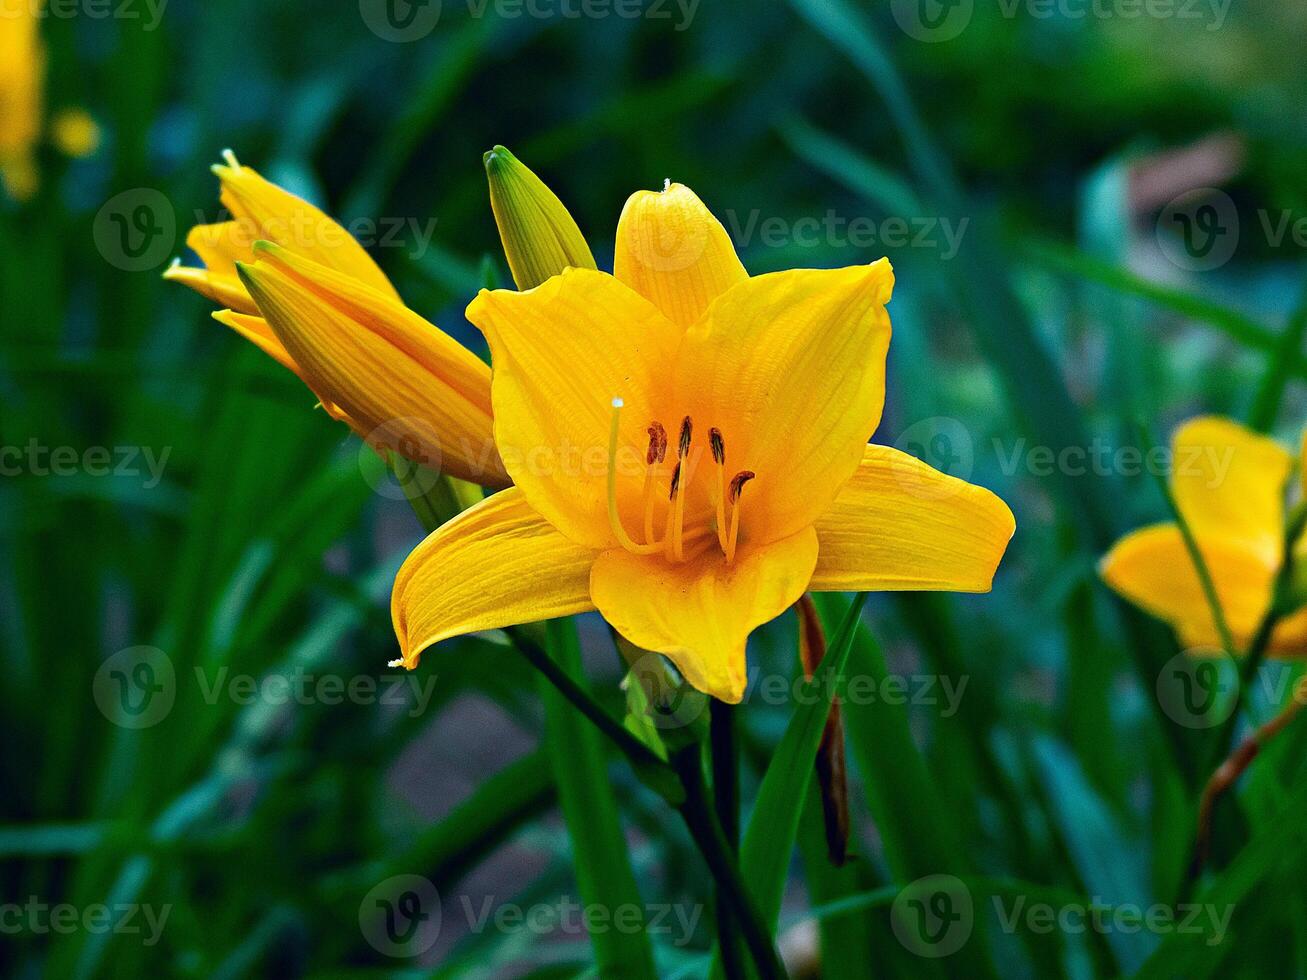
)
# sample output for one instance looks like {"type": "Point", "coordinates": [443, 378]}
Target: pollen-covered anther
{"type": "Point", "coordinates": [654, 455]}
{"type": "Point", "coordinates": [657, 444]}
{"type": "Point", "coordinates": [737, 489]}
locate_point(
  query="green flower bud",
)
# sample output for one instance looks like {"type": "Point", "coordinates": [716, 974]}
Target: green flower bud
{"type": "Point", "coordinates": [539, 236]}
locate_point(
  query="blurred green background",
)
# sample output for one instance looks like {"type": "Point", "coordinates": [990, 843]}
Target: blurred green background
{"type": "Point", "coordinates": [1021, 163]}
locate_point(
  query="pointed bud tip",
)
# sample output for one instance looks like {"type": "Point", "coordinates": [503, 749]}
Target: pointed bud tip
{"type": "Point", "coordinates": [496, 158]}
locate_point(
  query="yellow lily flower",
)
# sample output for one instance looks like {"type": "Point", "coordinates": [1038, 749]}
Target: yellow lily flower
{"type": "Point", "coordinates": [1229, 483]}
{"type": "Point", "coordinates": [22, 67]}
{"type": "Point", "coordinates": [689, 448]}
{"type": "Point", "coordinates": [302, 289]}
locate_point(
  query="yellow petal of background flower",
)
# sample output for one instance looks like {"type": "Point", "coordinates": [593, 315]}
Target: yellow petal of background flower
{"type": "Point", "coordinates": [1151, 567]}
{"type": "Point", "coordinates": [255, 329]}
{"type": "Point", "coordinates": [790, 367]}
{"type": "Point", "coordinates": [671, 250]}
{"type": "Point", "coordinates": [1230, 481]}
{"type": "Point", "coordinates": [497, 564]}
{"type": "Point", "coordinates": [699, 613]}
{"type": "Point", "coordinates": [22, 71]}
{"type": "Point", "coordinates": [220, 246]}
{"type": "Point", "coordinates": [562, 352]}
{"type": "Point", "coordinates": [902, 525]}
{"type": "Point", "coordinates": [271, 213]}
{"type": "Point", "coordinates": [404, 383]}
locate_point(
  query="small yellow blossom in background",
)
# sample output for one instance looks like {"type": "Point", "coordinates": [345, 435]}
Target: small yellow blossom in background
{"type": "Point", "coordinates": [689, 448]}
{"type": "Point", "coordinates": [1230, 485]}
{"type": "Point", "coordinates": [22, 71]}
{"type": "Point", "coordinates": [304, 291]}
{"type": "Point", "coordinates": [75, 133]}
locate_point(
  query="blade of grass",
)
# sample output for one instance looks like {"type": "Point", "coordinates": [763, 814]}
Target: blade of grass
{"type": "Point", "coordinates": [1235, 324]}
{"type": "Point", "coordinates": [1286, 353]}
{"type": "Point", "coordinates": [585, 794]}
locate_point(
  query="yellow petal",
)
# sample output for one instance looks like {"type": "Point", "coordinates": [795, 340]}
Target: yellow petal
{"type": "Point", "coordinates": [497, 564]}
{"type": "Point", "coordinates": [1290, 636]}
{"type": "Point", "coordinates": [255, 329]}
{"type": "Point", "coordinates": [226, 291]}
{"type": "Point", "coordinates": [699, 613]}
{"type": "Point", "coordinates": [1151, 567]}
{"type": "Point", "coordinates": [22, 70]}
{"type": "Point", "coordinates": [671, 250]}
{"type": "Point", "coordinates": [539, 236]}
{"type": "Point", "coordinates": [901, 525]}
{"type": "Point", "coordinates": [562, 352]}
{"type": "Point", "coordinates": [272, 213]}
{"type": "Point", "coordinates": [405, 384]}
{"type": "Point", "coordinates": [75, 132]}
{"type": "Point", "coordinates": [1230, 481]}
{"type": "Point", "coordinates": [790, 367]}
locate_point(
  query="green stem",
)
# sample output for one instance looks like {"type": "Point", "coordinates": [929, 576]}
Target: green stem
{"type": "Point", "coordinates": [1285, 354]}
{"type": "Point", "coordinates": [1147, 445]}
{"type": "Point", "coordinates": [710, 838]}
{"type": "Point", "coordinates": [1261, 641]}
{"type": "Point", "coordinates": [640, 754]}
{"type": "Point", "coordinates": [1258, 647]}
{"type": "Point", "coordinates": [726, 796]}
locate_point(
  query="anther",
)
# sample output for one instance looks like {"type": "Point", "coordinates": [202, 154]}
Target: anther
{"type": "Point", "coordinates": [738, 481]}
{"type": "Point", "coordinates": [676, 481]}
{"type": "Point", "coordinates": [683, 445]}
{"type": "Point", "coordinates": [657, 444]}
{"type": "Point", "coordinates": [656, 453]}
{"type": "Point", "coordinates": [737, 488]}
{"type": "Point", "coordinates": [718, 445]}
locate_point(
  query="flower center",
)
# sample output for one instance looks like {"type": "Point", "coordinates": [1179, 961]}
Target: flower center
{"type": "Point", "coordinates": [725, 522]}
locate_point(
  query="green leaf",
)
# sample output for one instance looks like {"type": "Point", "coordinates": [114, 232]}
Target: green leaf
{"type": "Point", "coordinates": [585, 793]}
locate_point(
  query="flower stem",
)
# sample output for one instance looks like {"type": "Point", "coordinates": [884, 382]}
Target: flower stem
{"type": "Point", "coordinates": [1147, 445]}
{"type": "Point", "coordinates": [1261, 641]}
{"type": "Point", "coordinates": [1233, 767]}
{"type": "Point", "coordinates": [640, 754]}
{"type": "Point", "coordinates": [726, 797]}
{"type": "Point", "coordinates": [710, 838]}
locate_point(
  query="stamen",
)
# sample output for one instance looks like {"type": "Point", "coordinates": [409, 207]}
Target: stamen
{"type": "Point", "coordinates": [683, 444]}
{"type": "Point", "coordinates": [656, 454]}
{"type": "Point", "coordinates": [677, 513]}
{"type": "Point", "coordinates": [657, 444]}
{"type": "Point", "coordinates": [737, 488]}
{"type": "Point", "coordinates": [718, 445]}
{"type": "Point", "coordinates": [615, 518]}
